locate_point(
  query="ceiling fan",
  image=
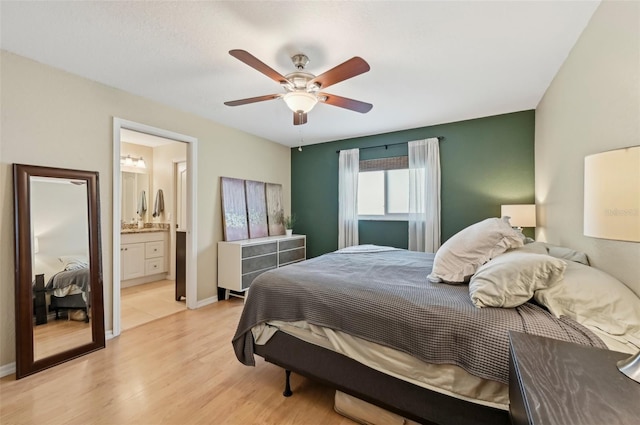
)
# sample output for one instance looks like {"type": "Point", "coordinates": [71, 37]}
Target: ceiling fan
{"type": "Point", "coordinates": [302, 89]}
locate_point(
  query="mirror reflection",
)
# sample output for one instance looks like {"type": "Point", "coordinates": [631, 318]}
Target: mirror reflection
{"type": "Point", "coordinates": [135, 197]}
{"type": "Point", "coordinates": [60, 258]}
{"type": "Point", "coordinates": [58, 280]}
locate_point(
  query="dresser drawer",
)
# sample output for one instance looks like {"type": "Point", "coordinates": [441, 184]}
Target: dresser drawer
{"type": "Point", "coordinates": [154, 249]}
{"type": "Point", "coordinates": [248, 278]}
{"type": "Point", "coordinates": [154, 266]}
{"type": "Point", "coordinates": [291, 256]}
{"type": "Point", "coordinates": [291, 243]}
{"type": "Point", "coordinates": [259, 263]}
{"type": "Point", "coordinates": [265, 248]}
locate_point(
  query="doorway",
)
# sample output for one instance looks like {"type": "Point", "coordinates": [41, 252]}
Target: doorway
{"type": "Point", "coordinates": [154, 217]}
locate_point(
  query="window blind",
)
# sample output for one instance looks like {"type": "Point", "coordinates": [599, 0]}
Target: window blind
{"type": "Point", "coordinates": [381, 164]}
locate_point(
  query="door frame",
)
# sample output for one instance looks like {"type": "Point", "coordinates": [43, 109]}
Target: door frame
{"type": "Point", "coordinates": [192, 224]}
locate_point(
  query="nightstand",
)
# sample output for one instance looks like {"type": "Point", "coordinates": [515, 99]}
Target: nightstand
{"type": "Point", "coordinates": [556, 382]}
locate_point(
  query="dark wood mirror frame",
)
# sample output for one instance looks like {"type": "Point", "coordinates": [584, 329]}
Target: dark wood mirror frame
{"type": "Point", "coordinates": [25, 360]}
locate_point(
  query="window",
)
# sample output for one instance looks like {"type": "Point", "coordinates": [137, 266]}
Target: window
{"type": "Point", "coordinates": [383, 189]}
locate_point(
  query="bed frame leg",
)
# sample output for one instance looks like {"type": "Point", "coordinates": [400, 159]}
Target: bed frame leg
{"type": "Point", "coordinates": [287, 384]}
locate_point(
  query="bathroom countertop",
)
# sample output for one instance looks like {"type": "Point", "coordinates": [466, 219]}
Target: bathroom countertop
{"type": "Point", "coordinates": [145, 230]}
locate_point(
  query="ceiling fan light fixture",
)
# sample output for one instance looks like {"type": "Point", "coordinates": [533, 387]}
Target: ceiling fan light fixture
{"type": "Point", "coordinates": [300, 101]}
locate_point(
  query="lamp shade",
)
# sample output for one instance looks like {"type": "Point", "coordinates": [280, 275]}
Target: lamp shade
{"type": "Point", "coordinates": [520, 215]}
{"type": "Point", "coordinates": [300, 101]}
{"type": "Point", "coordinates": [612, 195]}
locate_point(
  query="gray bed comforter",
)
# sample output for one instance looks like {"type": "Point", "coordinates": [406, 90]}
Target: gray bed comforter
{"type": "Point", "coordinates": [79, 277]}
{"type": "Point", "coordinates": [385, 297]}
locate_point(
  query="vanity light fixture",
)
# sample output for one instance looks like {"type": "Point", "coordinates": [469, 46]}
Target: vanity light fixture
{"type": "Point", "coordinates": [132, 161]}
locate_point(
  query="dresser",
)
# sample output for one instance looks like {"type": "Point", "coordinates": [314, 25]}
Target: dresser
{"type": "Point", "coordinates": [240, 262]}
{"type": "Point", "coordinates": [555, 382]}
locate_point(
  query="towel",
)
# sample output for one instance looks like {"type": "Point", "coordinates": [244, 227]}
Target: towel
{"type": "Point", "coordinates": [158, 208]}
{"type": "Point", "coordinates": [142, 203]}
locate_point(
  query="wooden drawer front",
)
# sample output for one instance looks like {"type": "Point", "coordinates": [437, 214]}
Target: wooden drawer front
{"type": "Point", "coordinates": [253, 250]}
{"type": "Point", "coordinates": [293, 243]}
{"type": "Point", "coordinates": [293, 255]}
{"type": "Point", "coordinates": [154, 249]}
{"type": "Point", "coordinates": [154, 266]}
{"type": "Point", "coordinates": [249, 277]}
{"type": "Point", "coordinates": [258, 263]}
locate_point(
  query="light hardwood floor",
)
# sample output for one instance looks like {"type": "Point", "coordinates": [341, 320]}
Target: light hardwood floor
{"type": "Point", "coordinates": [140, 304]}
{"type": "Point", "coordinates": [144, 303]}
{"type": "Point", "coordinates": [59, 335]}
{"type": "Point", "coordinates": [179, 369]}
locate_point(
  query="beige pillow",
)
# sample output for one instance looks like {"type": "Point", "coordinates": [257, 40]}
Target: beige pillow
{"type": "Point", "coordinates": [460, 256]}
{"type": "Point", "coordinates": [511, 279]}
{"type": "Point", "coordinates": [74, 262]}
{"type": "Point", "coordinates": [567, 254]}
{"type": "Point", "coordinates": [594, 298]}
{"type": "Point", "coordinates": [556, 251]}
{"type": "Point", "coordinates": [534, 248]}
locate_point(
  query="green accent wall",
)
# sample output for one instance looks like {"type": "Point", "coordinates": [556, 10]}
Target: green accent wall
{"type": "Point", "coordinates": [485, 162]}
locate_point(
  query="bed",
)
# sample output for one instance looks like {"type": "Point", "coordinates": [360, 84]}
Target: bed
{"type": "Point", "coordinates": [369, 323]}
{"type": "Point", "coordinates": [69, 290]}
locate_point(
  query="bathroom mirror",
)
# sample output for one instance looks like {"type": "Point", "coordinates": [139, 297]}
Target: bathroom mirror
{"type": "Point", "coordinates": [135, 197]}
{"type": "Point", "coordinates": [58, 264]}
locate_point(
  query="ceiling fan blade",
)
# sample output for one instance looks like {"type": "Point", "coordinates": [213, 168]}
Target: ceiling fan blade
{"type": "Point", "coordinates": [343, 102]}
{"type": "Point", "coordinates": [299, 118]}
{"type": "Point", "coordinates": [252, 100]}
{"type": "Point", "coordinates": [351, 68]}
{"type": "Point", "coordinates": [257, 64]}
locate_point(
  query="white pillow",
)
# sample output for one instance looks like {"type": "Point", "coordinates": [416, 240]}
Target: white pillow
{"type": "Point", "coordinates": [567, 254]}
{"type": "Point", "coordinates": [534, 248]}
{"type": "Point", "coordinates": [511, 279]}
{"type": "Point", "coordinates": [556, 251]}
{"type": "Point", "coordinates": [74, 262]}
{"type": "Point", "coordinates": [460, 256]}
{"type": "Point", "coordinates": [594, 298]}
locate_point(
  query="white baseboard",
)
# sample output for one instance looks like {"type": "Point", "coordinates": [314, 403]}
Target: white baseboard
{"type": "Point", "coordinates": [108, 335]}
{"type": "Point", "coordinates": [207, 301]}
{"type": "Point", "coordinates": [142, 280]}
{"type": "Point", "coordinates": [7, 369]}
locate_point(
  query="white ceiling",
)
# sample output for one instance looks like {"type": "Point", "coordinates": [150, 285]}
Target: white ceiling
{"type": "Point", "coordinates": [431, 62]}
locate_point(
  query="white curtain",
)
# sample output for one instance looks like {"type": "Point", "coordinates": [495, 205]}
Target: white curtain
{"type": "Point", "coordinates": [424, 195]}
{"type": "Point", "coordinates": [349, 166]}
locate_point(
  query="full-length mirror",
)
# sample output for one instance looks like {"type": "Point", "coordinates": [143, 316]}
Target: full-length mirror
{"type": "Point", "coordinates": [59, 306]}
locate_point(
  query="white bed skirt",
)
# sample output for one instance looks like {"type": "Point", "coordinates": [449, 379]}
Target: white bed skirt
{"type": "Point", "coordinates": [366, 413]}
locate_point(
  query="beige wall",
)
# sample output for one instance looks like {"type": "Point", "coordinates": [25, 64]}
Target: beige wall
{"type": "Point", "coordinates": [592, 105]}
{"type": "Point", "coordinates": [53, 118]}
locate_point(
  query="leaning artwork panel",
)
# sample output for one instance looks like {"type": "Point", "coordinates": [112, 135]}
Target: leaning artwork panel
{"type": "Point", "coordinates": [234, 209]}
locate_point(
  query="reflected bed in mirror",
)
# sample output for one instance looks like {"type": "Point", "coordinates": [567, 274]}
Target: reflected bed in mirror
{"type": "Point", "coordinates": [59, 309]}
